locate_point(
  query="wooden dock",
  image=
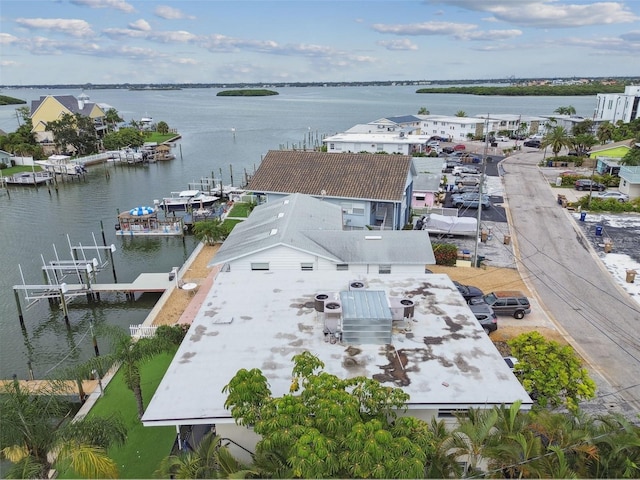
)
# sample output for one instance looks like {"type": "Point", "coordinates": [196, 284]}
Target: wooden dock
{"type": "Point", "coordinates": [47, 387]}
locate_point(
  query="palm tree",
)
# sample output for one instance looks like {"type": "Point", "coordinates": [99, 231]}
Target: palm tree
{"type": "Point", "coordinates": [557, 139]}
{"type": "Point", "coordinates": [423, 111]}
{"type": "Point", "coordinates": [570, 110]}
{"type": "Point", "coordinates": [461, 113]}
{"type": "Point", "coordinates": [129, 354]}
{"type": "Point", "coordinates": [209, 460]}
{"type": "Point", "coordinates": [605, 132]}
{"type": "Point", "coordinates": [34, 435]}
{"type": "Point", "coordinates": [210, 231]}
{"type": "Point", "coordinates": [112, 118]}
{"type": "Point", "coordinates": [474, 436]}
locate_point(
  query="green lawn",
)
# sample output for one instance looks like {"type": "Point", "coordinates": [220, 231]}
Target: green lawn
{"type": "Point", "coordinates": [159, 137]}
{"type": "Point", "coordinates": [6, 172]}
{"type": "Point", "coordinates": [146, 446]}
{"type": "Point", "coordinates": [240, 210]}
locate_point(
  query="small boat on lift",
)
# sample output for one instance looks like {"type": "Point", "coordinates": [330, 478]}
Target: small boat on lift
{"type": "Point", "coordinates": [186, 200]}
{"type": "Point", "coordinates": [145, 221]}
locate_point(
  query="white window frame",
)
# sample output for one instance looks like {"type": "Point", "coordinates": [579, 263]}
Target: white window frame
{"type": "Point", "coordinates": [260, 266]}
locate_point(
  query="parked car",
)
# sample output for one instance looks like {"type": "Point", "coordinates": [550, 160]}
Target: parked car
{"type": "Point", "coordinates": [468, 179]}
{"type": "Point", "coordinates": [532, 143]}
{"type": "Point", "coordinates": [467, 189]}
{"type": "Point", "coordinates": [448, 150]}
{"type": "Point", "coordinates": [508, 302]}
{"type": "Point", "coordinates": [470, 200]}
{"type": "Point", "coordinates": [619, 196]}
{"type": "Point", "coordinates": [588, 184]}
{"type": "Point", "coordinates": [438, 138]}
{"type": "Point", "coordinates": [501, 138]}
{"type": "Point", "coordinates": [433, 143]}
{"type": "Point", "coordinates": [459, 148]}
{"type": "Point", "coordinates": [468, 291]}
{"type": "Point", "coordinates": [465, 169]}
{"type": "Point", "coordinates": [578, 153]}
{"type": "Point", "coordinates": [485, 316]}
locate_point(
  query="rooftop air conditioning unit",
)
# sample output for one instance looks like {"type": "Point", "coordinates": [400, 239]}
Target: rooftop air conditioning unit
{"type": "Point", "coordinates": [356, 285]}
{"type": "Point", "coordinates": [409, 307]}
{"type": "Point", "coordinates": [319, 301]}
{"type": "Point", "coordinates": [332, 307]}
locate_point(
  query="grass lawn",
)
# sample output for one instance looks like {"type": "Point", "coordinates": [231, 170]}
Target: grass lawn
{"type": "Point", "coordinates": [240, 210]}
{"type": "Point", "coordinates": [159, 137]}
{"type": "Point", "coordinates": [6, 172]}
{"type": "Point", "coordinates": [145, 446]}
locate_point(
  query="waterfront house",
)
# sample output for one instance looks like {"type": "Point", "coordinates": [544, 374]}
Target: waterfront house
{"type": "Point", "coordinates": [5, 158]}
{"type": "Point", "coordinates": [414, 332]}
{"type": "Point", "coordinates": [374, 191]}
{"type": "Point", "coordinates": [302, 233]}
{"type": "Point", "coordinates": [49, 108]}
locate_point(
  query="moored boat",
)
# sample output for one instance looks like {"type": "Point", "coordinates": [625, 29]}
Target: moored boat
{"type": "Point", "coordinates": [186, 200]}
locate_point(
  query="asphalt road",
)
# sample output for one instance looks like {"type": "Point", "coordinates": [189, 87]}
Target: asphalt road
{"type": "Point", "coordinates": [560, 266]}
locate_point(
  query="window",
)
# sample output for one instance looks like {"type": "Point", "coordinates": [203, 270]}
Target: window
{"type": "Point", "coordinates": [306, 267]}
{"type": "Point", "coordinates": [450, 412]}
{"type": "Point", "coordinates": [342, 266]}
{"type": "Point", "coordinates": [420, 198]}
{"type": "Point", "coordinates": [260, 266]}
{"type": "Point", "coordinates": [332, 146]}
{"type": "Point", "coordinates": [382, 269]}
{"type": "Point", "coordinates": [353, 208]}
{"type": "Point", "coordinates": [380, 148]}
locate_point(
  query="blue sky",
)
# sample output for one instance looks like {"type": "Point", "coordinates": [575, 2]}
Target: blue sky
{"type": "Point", "coordinates": [205, 41]}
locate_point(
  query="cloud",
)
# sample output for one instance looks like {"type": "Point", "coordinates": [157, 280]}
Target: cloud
{"type": "Point", "coordinates": [7, 39]}
{"type": "Point", "coordinates": [141, 25]}
{"type": "Point", "coordinates": [549, 13]}
{"type": "Point", "coordinates": [115, 4]}
{"type": "Point", "coordinates": [170, 13]}
{"type": "Point", "coordinates": [179, 36]}
{"type": "Point", "coordinates": [8, 63]}
{"type": "Point", "coordinates": [404, 44]}
{"type": "Point", "coordinates": [73, 27]}
{"type": "Point", "coordinates": [633, 36]}
{"type": "Point", "coordinates": [460, 31]}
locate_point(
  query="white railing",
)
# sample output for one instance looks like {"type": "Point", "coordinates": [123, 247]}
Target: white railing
{"type": "Point", "coordinates": [142, 331]}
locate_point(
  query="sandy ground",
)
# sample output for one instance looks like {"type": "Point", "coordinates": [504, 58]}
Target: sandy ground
{"type": "Point", "coordinates": [179, 300]}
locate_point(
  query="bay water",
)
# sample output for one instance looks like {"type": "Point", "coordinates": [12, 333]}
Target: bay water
{"type": "Point", "coordinates": [224, 137]}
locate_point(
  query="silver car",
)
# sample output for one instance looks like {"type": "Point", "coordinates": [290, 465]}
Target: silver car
{"type": "Point", "coordinates": [619, 196]}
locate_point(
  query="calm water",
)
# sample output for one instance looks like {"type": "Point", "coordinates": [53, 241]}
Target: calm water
{"type": "Point", "coordinates": [221, 136]}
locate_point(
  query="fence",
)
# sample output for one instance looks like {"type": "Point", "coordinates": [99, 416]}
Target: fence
{"type": "Point", "coordinates": [142, 331]}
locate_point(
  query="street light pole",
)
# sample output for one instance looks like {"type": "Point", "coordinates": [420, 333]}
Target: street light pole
{"type": "Point", "coordinates": [481, 188]}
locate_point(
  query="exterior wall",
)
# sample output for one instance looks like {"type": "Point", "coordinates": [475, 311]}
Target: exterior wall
{"type": "Point", "coordinates": [616, 106]}
{"type": "Point", "coordinates": [243, 436]}
{"type": "Point", "coordinates": [422, 199]}
{"type": "Point", "coordinates": [281, 258]}
{"type": "Point", "coordinates": [630, 181]}
{"type": "Point", "coordinates": [404, 148]}
{"type": "Point", "coordinates": [455, 131]}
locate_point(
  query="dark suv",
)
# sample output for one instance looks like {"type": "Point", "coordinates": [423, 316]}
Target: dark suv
{"type": "Point", "coordinates": [468, 291]}
{"type": "Point", "coordinates": [588, 184]}
{"type": "Point", "coordinates": [508, 303]}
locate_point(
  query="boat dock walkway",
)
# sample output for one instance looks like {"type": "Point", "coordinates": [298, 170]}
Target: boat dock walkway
{"type": "Point", "coordinates": [145, 282]}
{"type": "Point", "coordinates": [46, 387]}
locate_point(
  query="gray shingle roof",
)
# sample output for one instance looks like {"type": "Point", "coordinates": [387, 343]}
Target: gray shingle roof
{"type": "Point", "coordinates": [342, 175]}
{"type": "Point", "coordinates": [281, 222]}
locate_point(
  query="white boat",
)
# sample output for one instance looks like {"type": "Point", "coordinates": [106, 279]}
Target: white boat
{"type": "Point", "coordinates": [448, 225]}
{"type": "Point", "coordinates": [186, 200]}
{"type": "Point", "coordinates": [61, 165]}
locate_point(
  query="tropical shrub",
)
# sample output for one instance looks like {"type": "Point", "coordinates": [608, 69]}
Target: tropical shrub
{"type": "Point", "coordinates": [445, 254]}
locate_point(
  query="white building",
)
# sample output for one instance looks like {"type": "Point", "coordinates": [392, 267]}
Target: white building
{"type": "Point", "coordinates": [613, 107]}
{"type": "Point", "coordinates": [414, 332]}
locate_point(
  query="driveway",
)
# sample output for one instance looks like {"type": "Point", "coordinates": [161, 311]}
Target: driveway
{"type": "Point", "coordinates": [561, 267]}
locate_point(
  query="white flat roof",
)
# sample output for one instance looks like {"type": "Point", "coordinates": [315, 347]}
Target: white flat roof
{"type": "Point", "coordinates": [441, 358]}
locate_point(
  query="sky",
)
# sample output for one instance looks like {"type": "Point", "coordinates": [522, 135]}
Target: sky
{"type": "Point", "coordinates": [273, 41]}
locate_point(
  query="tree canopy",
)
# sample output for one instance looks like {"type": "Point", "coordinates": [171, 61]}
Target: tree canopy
{"type": "Point", "coordinates": [551, 373]}
{"type": "Point", "coordinates": [328, 427]}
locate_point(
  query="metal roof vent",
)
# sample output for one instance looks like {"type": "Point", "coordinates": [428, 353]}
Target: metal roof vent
{"type": "Point", "coordinates": [356, 285]}
{"type": "Point", "coordinates": [318, 302]}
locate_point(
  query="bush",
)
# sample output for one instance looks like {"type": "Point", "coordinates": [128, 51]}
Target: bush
{"type": "Point", "coordinates": [3, 165]}
{"type": "Point", "coordinates": [445, 254]}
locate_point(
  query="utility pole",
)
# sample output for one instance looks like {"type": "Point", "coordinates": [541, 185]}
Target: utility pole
{"type": "Point", "coordinates": [481, 188]}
